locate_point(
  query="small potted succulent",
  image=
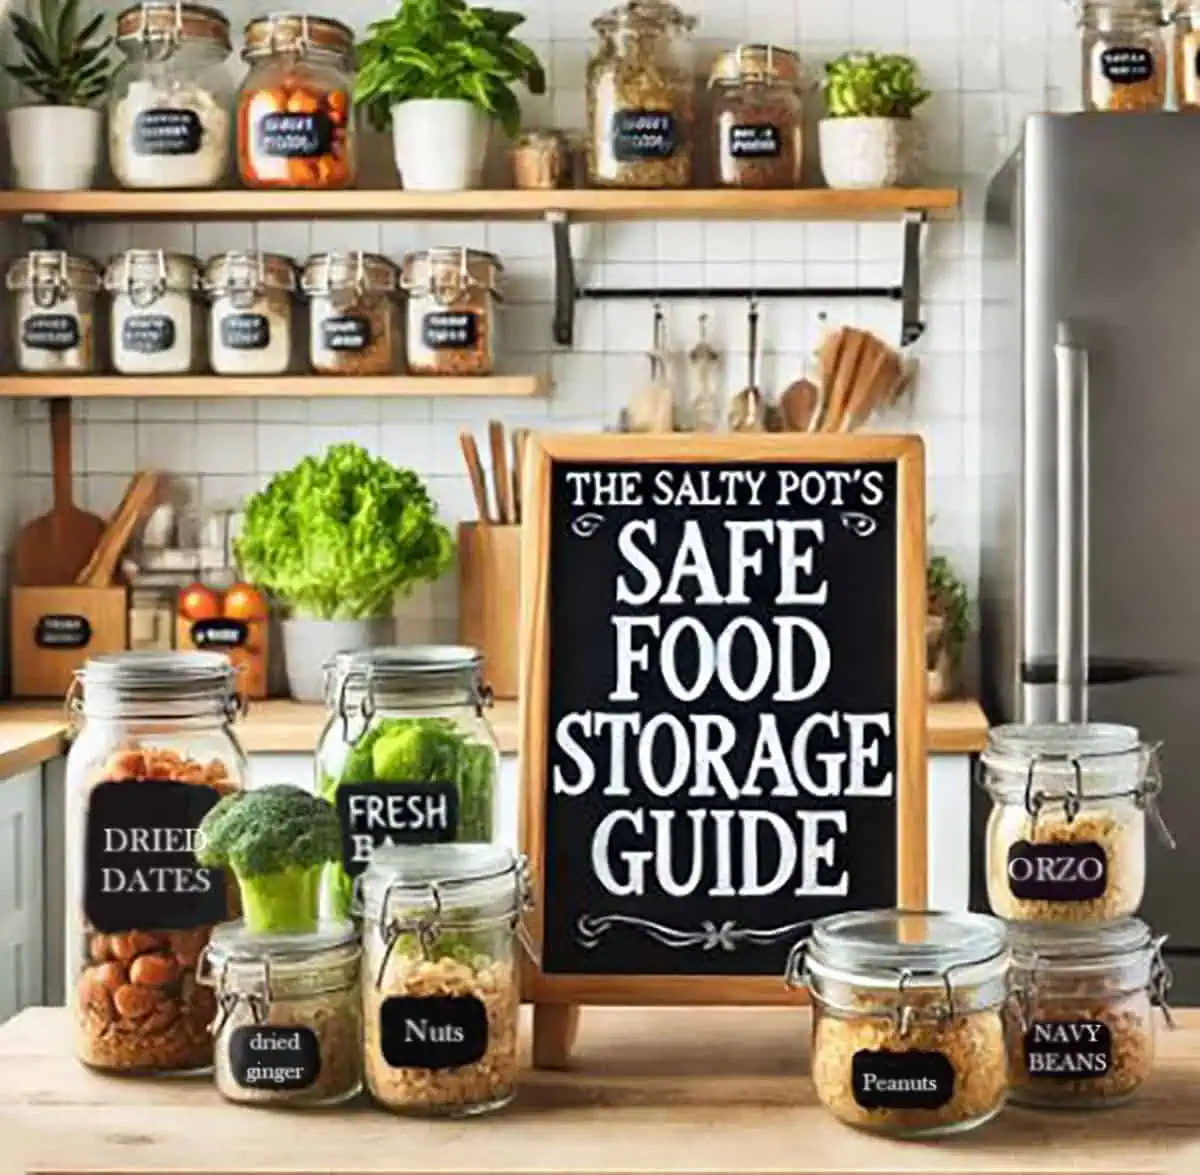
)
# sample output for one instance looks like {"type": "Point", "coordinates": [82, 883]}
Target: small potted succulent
{"type": "Point", "coordinates": [55, 143]}
{"type": "Point", "coordinates": [947, 623]}
{"type": "Point", "coordinates": [868, 136]}
{"type": "Point", "coordinates": [440, 73]}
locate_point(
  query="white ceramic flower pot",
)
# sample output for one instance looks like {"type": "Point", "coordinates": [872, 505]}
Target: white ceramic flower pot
{"type": "Point", "coordinates": [54, 148]}
{"type": "Point", "coordinates": [871, 152]}
{"type": "Point", "coordinates": [440, 144]}
{"type": "Point", "coordinates": [309, 644]}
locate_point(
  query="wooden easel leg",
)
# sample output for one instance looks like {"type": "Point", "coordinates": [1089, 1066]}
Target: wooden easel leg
{"type": "Point", "coordinates": [555, 1027]}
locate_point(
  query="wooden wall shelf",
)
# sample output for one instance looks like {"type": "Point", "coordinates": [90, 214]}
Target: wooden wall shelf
{"type": "Point", "coordinates": [210, 387]}
{"type": "Point", "coordinates": [578, 204]}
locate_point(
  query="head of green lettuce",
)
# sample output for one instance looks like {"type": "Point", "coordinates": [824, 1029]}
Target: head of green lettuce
{"type": "Point", "coordinates": [338, 536]}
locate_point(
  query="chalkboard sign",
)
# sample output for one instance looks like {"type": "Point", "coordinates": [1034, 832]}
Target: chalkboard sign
{"type": "Point", "coordinates": [724, 706]}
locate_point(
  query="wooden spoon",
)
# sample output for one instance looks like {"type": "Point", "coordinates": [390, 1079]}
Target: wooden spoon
{"type": "Point", "coordinates": [800, 406]}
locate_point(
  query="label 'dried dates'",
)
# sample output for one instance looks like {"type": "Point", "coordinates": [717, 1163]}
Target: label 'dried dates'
{"type": "Point", "coordinates": [638, 135]}
{"type": "Point", "coordinates": [62, 632]}
{"type": "Point", "coordinates": [273, 1057]}
{"type": "Point", "coordinates": [296, 136]}
{"type": "Point", "coordinates": [50, 332]}
{"type": "Point", "coordinates": [433, 1032]}
{"type": "Point", "coordinates": [1072, 1049]}
{"type": "Point", "coordinates": [245, 332]}
{"type": "Point", "coordinates": [219, 633]}
{"type": "Point", "coordinates": [450, 330]}
{"type": "Point", "coordinates": [167, 132]}
{"type": "Point", "coordinates": [347, 332]}
{"type": "Point", "coordinates": [755, 142]}
{"type": "Point", "coordinates": [1127, 66]}
{"type": "Point", "coordinates": [1057, 872]}
{"type": "Point", "coordinates": [374, 814]}
{"type": "Point", "coordinates": [140, 867]}
{"type": "Point", "coordinates": [901, 1081]}
{"type": "Point", "coordinates": [148, 334]}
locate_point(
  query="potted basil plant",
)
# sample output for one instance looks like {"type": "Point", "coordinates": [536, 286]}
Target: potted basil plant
{"type": "Point", "coordinates": [55, 142]}
{"type": "Point", "coordinates": [334, 540]}
{"type": "Point", "coordinates": [868, 137]}
{"type": "Point", "coordinates": [440, 73]}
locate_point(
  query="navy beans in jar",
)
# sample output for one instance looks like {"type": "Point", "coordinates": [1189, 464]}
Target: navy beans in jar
{"type": "Point", "coordinates": [250, 321]}
{"type": "Point", "coordinates": [453, 299]}
{"type": "Point", "coordinates": [54, 313]}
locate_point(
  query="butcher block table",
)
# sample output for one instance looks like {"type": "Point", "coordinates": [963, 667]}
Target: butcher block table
{"type": "Point", "coordinates": [687, 1091]}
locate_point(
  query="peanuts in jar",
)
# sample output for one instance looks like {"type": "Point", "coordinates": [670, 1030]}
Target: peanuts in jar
{"type": "Point", "coordinates": [155, 753]}
{"type": "Point", "coordinates": [1066, 838]}
{"type": "Point", "coordinates": [354, 326]}
{"type": "Point", "coordinates": [155, 319]}
{"type": "Point", "coordinates": [1124, 55]}
{"type": "Point", "coordinates": [908, 1033]}
{"type": "Point", "coordinates": [250, 317]}
{"type": "Point", "coordinates": [54, 312]}
{"type": "Point", "coordinates": [169, 113]}
{"type": "Point", "coordinates": [453, 301]}
{"type": "Point", "coordinates": [295, 122]}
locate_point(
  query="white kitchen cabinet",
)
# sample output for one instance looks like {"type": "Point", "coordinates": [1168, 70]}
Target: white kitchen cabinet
{"type": "Point", "coordinates": [22, 929]}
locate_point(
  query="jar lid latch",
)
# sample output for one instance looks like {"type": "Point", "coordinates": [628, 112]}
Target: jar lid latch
{"type": "Point", "coordinates": [1147, 794]}
{"type": "Point", "coordinates": [1161, 980]}
{"type": "Point", "coordinates": [426, 926]}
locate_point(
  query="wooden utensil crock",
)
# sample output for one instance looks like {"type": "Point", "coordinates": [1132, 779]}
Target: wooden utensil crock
{"type": "Point", "coordinates": [489, 589]}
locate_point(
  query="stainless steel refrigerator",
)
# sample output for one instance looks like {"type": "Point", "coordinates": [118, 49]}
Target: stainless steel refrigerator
{"type": "Point", "coordinates": [1091, 457]}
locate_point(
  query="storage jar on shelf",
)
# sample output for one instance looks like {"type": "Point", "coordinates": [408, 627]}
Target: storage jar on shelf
{"type": "Point", "coordinates": [54, 313]}
{"type": "Point", "coordinates": [641, 98]}
{"type": "Point", "coordinates": [1124, 55]}
{"type": "Point", "coordinates": [353, 319]}
{"type": "Point", "coordinates": [295, 126]}
{"type": "Point", "coordinates": [453, 297]}
{"type": "Point", "coordinates": [169, 113]}
{"type": "Point", "coordinates": [155, 752]}
{"type": "Point", "coordinates": [250, 320]}
{"type": "Point", "coordinates": [156, 324]}
{"type": "Point", "coordinates": [1187, 57]}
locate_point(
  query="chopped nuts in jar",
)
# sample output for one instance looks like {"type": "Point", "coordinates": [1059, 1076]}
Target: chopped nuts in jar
{"type": "Point", "coordinates": [54, 315]}
{"type": "Point", "coordinates": [353, 323]}
{"type": "Point", "coordinates": [453, 300]}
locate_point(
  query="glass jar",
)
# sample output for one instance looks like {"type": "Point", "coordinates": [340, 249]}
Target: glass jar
{"type": "Point", "coordinates": [1187, 57]}
{"type": "Point", "coordinates": [169, 110]}
{"type": "Point", "coordinates": [54, 312]}
{"type": "Point", "coordinates": [354, 328]}
{"type": "Point", "coordinates": [453, 301]}
{"type": "Point", "coordinates": [1081, 1025]}
{"type": "Point", "coordinates": [440, 992]}
{"type": "Point", "coordinates": [1124, 55]}
{"type": "Point", "coordinates": [758, 118]}
{"type": "Point", "coordinates": [908, 1031]}
{"type": "Point", "coordinates": [155, 323]}
{"type": "Point", "coordinates": [1066, 838]}
{"type": "Point", "coordinates": [250, 321]}
{"type": "Point", "coordinates": [295, 106]}
{"type": "Point", "coordinates": [289, 1029]}
{"type": "Point", "coordinates": [155, 752]}
{"type": "Point", "coordinates": [408, 756]}
{"type": "Point", "coordinates": [541, 161]}
{"type": "Point", "coordinates": [641, 98]}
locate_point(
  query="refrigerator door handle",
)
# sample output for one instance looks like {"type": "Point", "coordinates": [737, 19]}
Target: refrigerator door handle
{"type": "Point", "coordinates": [1071, 361]}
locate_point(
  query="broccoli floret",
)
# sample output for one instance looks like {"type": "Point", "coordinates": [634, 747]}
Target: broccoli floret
{"type": "Point", "coordinates": [277, 840]}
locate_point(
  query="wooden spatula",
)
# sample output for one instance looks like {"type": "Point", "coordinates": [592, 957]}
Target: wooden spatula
{"type": "Point", "coordinates": [135, 507]}
{"type": "Point", "coordinates": [52, 550]}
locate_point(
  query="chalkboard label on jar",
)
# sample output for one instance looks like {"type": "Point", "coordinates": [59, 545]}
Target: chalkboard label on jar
{"type": "Point", "coordinates": [1057, 872]}
{"type": "Point", "coordinates": [62, 632]}
{"type": "Point", "coordinates": [755, 142]}
{"type": "Point", "coordinates": [50, 332]}
{"type": "Point", "coordinates": [433, 1032]}
{"type": "Point", "coordinates": [218, 633]}
{"type": "Point", "coordinates": [296, 136]}
{"type": "Point", "coordinates": [913, 1080]}
{"type": "Point", "coordinates": [167, 132]}
{"type": "Point", "coordinates": [643, 134]}
{"type": "Point", "coordinates": [245, 332]}
{"type": "Point", "coordinates": [1070, 1049]}
{"type": "Point", "coordinates": [450, 330]}
{"type": "Point", "coordinates": [148, 334]}
{"type": "Point", "coordinates": [140, 867]}
{"type": "Point", "coordinates": [374, 814]}
{"type": "Point", "coordinates": [273, 1057]}
{"type": "Point", "coordinates": [1127, 66]}
{"type": "Point", "coordinates": [346, 332]}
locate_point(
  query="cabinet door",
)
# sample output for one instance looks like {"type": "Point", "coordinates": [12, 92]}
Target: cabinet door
{"type": "Point", "coordinates": [22, 935]}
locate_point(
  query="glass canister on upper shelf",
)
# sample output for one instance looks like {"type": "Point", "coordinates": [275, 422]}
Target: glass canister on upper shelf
{"type": "Point", "coordinates": [169, 111]}
{"type": "Point", "coordinates": [295, 108]}
{"type": "Point", "coordinates": [641, 98]}
{"type": "Point", "coordinates": [1187, 57]}
{"type": "Point", "coordinates": [1124, 55]}
{"type": "Point", "coordinates": [758, 117]}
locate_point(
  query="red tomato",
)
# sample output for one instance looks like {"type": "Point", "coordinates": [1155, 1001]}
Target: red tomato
{"type": "Point", "coordinates": [244, 602]}
{"type": "Point", "coordinates": [199, 603]}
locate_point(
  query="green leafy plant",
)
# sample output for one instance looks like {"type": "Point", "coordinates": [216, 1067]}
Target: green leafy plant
{"type": "Point", "coordinates": [338, 536]}
{"type": "Point", "coordinates": [872, 85]}
{"type": "Point", "coordinates": [64, 64]}
{"type": "Point", "coordinates": [946, 596]}
{"type": "Point", "coordinates": [446, 49]}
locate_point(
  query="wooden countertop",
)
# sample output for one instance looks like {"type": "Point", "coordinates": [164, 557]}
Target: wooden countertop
{"type": "Point", "coordinates": [32, 734]}
{"type": "Point", "coordinates": [664, 1091]}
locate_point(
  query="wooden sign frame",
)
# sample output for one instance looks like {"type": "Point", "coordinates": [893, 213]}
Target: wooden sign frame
{"type": "Point", "coordinates": [556, 998]}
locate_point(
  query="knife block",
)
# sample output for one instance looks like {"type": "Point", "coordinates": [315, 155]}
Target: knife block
{"type": "Point", "coordinates": [54, 630]}
{"type": "Point", "coordinates": [489, 601]}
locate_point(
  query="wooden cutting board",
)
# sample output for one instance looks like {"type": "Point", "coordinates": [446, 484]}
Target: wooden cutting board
{"type": "Point", "coordinates": [52, 550]}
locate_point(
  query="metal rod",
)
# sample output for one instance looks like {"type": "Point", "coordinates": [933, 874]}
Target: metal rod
{"type": "Point", "coordinates": [564, 280]}
{"type": "Point", "coordinates": [740, 293]}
